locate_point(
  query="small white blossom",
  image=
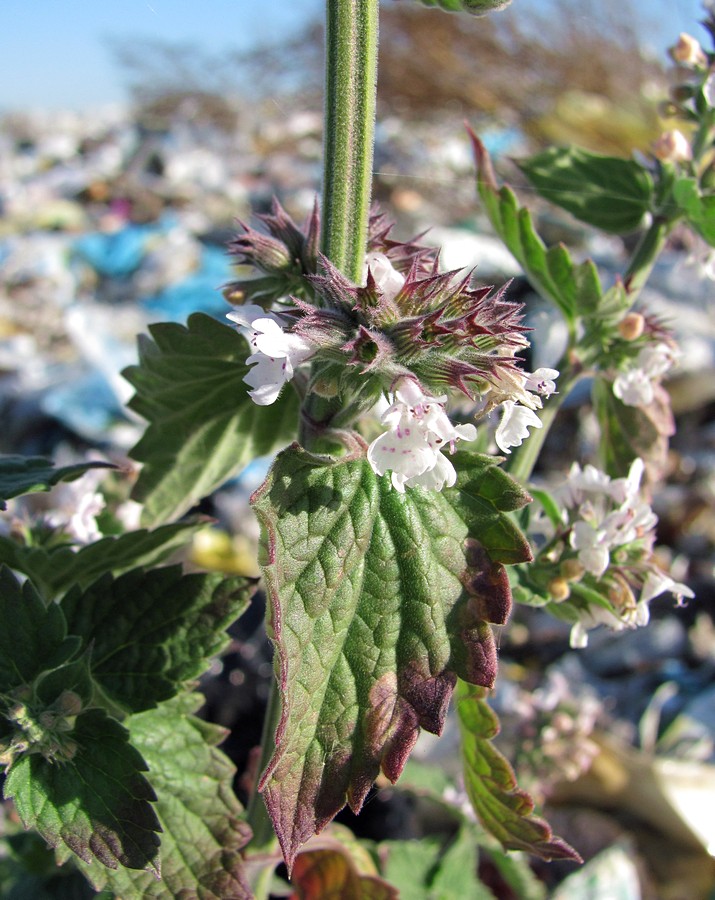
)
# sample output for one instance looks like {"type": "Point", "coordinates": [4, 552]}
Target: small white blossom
{"type": "Point", "coordinates": [633, 617]}
{"type": "Point", "coordinates": [658, 583]}
{"type": "Point", "coordinates": [386, 276]}
{"type": "Point", "coordinates": [419, 429]}
{"type": "Point", "coordinates": [635, 386]}
{"type": "Point", "coordinates": [709, 90]}
{"type": "Point", "coordinates": [75, 507]}
{"type": "Point", "coordinates": [688, 52]}
{"type": "Point", "coordinates": [514, 426]}
{"type": "Point", "coordinates": [542, 381]}
{"type": "Point", "coordinates": [277, 353]}
{"type": "Point", "coordinates": [673, 146]}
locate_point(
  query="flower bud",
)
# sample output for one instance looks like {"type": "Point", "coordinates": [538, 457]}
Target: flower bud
{"type": "Point", "coordinates": [69, 703]}
{"type": "Point", "coordinates": [688, 52]}
{"type": "Point", "coordinates": [631, 326]}
{"type": "Point", "coordinates": [672, 146]}
{"type": "Point", "coordinates": [559, 589]}
{"type": "Point", "coordinates": [572, 570]}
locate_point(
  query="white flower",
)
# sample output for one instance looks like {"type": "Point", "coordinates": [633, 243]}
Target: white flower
{"type": "Point", "coordinates": [673, 146]}
{"type": "Point", "coordinates": [658, 583]}
{"type": "Point", "coordinates": [634, 387]}
{"type": "Point", "coordinates": [419, 429]}
{"type": "Point", "coordinates": [75, 507]}
{"type": "Point", "coordinates": [542, 381]}
{"type": "Point", "coordinates": [386, 276]}
{"type": "Point", "coordinates": [593, 547]}
{"type": "Point", "coordinates": [634, 617]}
{"type": "Point", "coordinates": [709, 90]}
{"type": "Point", "coordinates": [514, 426]}
{"type": "Point", "coordinates": [688, 52]}
{"type": "Point", "coordinates": [277, 353]}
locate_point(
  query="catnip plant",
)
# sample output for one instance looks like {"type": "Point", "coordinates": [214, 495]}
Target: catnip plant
{"type": "Point", "coordinates": [399, 519]}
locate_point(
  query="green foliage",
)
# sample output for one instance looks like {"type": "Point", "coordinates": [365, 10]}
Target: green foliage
{"type": "Point", "coordinates": [379, 599]}
{"type": "Point", "coordinates": [55, 569]}
{"type": "Point", "coordinates": [608, 192]}
{"type": "Point", "coordinates": [631, 431]}
{"type": "Point", "coordinates": [150, 632]}
{"type": "Point", "coordinates": [97, 801]}
{"type": "Point", "coordinates": [202, 829]}
{"type": "Point", "coordinates": [699, 207]}
{"type": "Point", "coordinates": [33, 637]}
{"type": "Point", "coordinates": [30, 474]}
{"type": "Point", "coordinates": [434, 869]}
{"type": "Point", "coordinates": [504, 809]}
{"type": "Point", "coordinates": [473, 7]}
{"type": "Point", "coordinates": [203, 427]}
{"type": "Point", "coordinates": [73, 775]}
{"type": "Point", "coordinates": [575, 289]}
{"type": "Point", "coordinates": [28, 871]}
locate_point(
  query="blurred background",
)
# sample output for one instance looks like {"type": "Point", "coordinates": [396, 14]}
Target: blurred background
{"type": "Point", "coordinates": [133, 135]}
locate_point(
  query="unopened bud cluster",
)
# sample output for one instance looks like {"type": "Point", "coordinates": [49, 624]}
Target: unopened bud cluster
{"type": "Point", "coordinates": [40, 729]}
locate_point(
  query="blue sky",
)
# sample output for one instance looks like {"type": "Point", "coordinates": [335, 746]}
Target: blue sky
{"type": "Point", "coordinates": [54, 53]}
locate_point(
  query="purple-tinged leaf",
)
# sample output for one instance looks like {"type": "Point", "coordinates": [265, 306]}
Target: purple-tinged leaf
{"type": "Point", "coordinates": [379, 600]}
{"type": "Point", "coordinates": [506, 811]}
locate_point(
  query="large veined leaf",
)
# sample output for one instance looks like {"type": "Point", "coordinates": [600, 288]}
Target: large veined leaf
{"type": "Point", "coordinates": [608, 192]}
{"type": "Point", "coordinates": [379, 600]}
{"type": "Point", "coordinates": [98, 802]}
{"type": "Point", "coordinates": [202, 832]}
{"type": "Point", "coordinates": [30, 474]}
{"type": "Point", "coordinates": [505, 810]}
{"type": "Point", "coordinates": [203, 427]}
{"type": "Point", "coordinates": [152, 631]}
{"type": "Point", "coordinates": [575, 289]}
{"type": "Point", "coordinates": [55, 569]}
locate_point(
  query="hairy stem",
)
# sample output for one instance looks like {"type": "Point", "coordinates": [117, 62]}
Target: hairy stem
{"type": "Point", "coordinates": [350, 87]}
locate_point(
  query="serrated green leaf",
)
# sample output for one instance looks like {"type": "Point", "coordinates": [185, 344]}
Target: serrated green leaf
{"type": "Point", "coordinates": [456, 873]}
{"type": "Point", "coordinates": [203, 427]}
{"type": "Point", "coordinates": [608, 192]}
{"type": "Point", "coordinates": [631, 431]}
{"type": "Point", "coordinates": [378, 599]}
{"type": "Point", "coordinates": [56, 569]}
{"type": "Point", "coordinates": [575, 289]}
{"type": "Point", "coordinates": [33, 637]}
{"type": "Point", "coordinates": [202, 832]}
{"type": "Point", "coordinates": [98, 803]}
{"type": "Point", "coordinates": [503, 808]}
{"type": "Point", "coordinates": [151, 631]}
{"type": "Point", "coordinates": [30, 474]}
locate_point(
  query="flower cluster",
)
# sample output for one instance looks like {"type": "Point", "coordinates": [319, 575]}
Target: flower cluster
{"type": "Point", "coordinates": [419, 430]}
{"type": "Point", "coordinates": [602, 548]}
{"type": "Point", "coordinates": [407, 332]}
{"type": "Point", "coordinates": [635, 386]}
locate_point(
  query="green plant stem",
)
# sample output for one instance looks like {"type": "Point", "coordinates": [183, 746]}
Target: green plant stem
{"type": "Point", "coordinates": [646, 254]}
{"type": "Point", "coordinates": [350, 89]}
